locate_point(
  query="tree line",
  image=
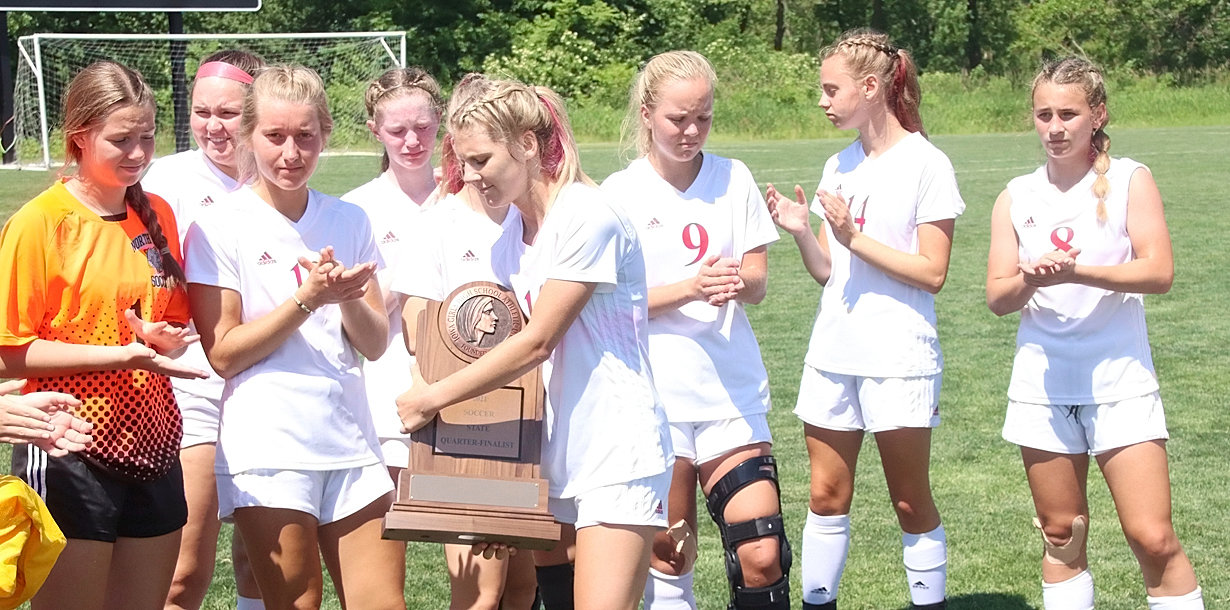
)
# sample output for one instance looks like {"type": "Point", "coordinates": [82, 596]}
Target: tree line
{"type": "Point", "coordinates": [585, 47]}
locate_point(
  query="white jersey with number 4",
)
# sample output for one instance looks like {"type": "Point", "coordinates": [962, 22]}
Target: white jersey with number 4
{"type": "Point", "coordinates": [1078, 345]}
{"type": "Point", "coordinates": [604, 424]}
{"type": "Point", "coordinates": [302, 407]}
{"type": "Point", "coordinates": [191, 184]}
{"type": "Point", "coordinates": [871, 324]}
{"type": "Point", "coordinates": [705, 359]}
{"type": "Point", "coordinates": [395, 218]}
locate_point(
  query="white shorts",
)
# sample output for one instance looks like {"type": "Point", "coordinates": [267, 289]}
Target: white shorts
{"type": "Point", "coordinates": [639, 502]}
{"type": "Point", "coordinates": [703, 441]}
{"type": "Point", "coordinates": [328, 495]}
{"type": "Point", "coordinates": [200, 418]}
{"type": "Point", "coordinates": [395, 452]}
{"type": "Point", "coordinates": [1093, 429]}
{"type": "Point", "coordinates": [874, 404]}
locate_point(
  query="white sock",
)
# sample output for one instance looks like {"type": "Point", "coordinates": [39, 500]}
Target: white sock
{"type": "Point", "coordinates": [249, 603]}
{"type": "Point", "coordinates": [1075, 593]}
{"type": "Point", "coordinates": [826, 540]}
{"type": "Point", "coordinates": [667, 592]}
{"type": "Point", "coordinates": [926, 565]}
{"type": "Point", "coordinates": [1191, 601]}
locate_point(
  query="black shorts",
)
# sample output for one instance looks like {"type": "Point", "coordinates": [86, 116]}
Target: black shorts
{"type": "Point", "coordinates": [89, 503]}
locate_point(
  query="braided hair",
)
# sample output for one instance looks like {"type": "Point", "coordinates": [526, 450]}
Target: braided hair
{"type": "Point", "coordinates": [1084, 74]}
{"type": "Point", "coordinates": [505, 109]}
{"type": "Point", "coordinates": [94, 93]}
{"type": "Point", "coordinates": [397, 82]}
{"type": "Point", "coordinates": [868, 52]}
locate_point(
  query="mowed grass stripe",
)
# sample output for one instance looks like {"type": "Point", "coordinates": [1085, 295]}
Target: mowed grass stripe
{"type": "Point", "coordinates": [977, 477]}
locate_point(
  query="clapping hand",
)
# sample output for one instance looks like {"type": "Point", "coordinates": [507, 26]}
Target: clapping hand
{"type": "Point", "coordinates": [792, 215]}
{"type": "Point", "coordinates": [43, 419]}
{"type": "Point", "coordinates": [328, 281]}
{"type": "Point", "coordinates": [837, 214]}
{"type": "Point", "coordinates": [164, 337]}
{"type": "Point", "coordinates": [138, 356]}
{"type": "Point", "coordinates": [1054, 267]}
{"type": "Point", "coordinates": [718, 282]}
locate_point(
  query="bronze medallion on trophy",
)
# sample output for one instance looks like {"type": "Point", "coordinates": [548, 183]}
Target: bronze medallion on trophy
{"type": "Point", "coordinates": [474, 473]}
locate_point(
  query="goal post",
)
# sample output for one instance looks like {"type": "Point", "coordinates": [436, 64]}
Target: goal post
{"type": "Point", "coordinates": [346, 61]}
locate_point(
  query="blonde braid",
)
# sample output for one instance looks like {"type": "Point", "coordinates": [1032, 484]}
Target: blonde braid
{"type": "Point", "coordinates": [868, 39]}
{"type": "Point", "coordinates": [1101, 164]}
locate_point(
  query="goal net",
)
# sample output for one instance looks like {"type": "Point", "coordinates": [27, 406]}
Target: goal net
{"type": "Point", "coordinates": [46, 63]}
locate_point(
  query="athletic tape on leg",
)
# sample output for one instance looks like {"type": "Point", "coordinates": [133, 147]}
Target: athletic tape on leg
{"type": "Point", "coordinates": [1068, 552]}
{"type": "Point", "coordinates": [685, 543]}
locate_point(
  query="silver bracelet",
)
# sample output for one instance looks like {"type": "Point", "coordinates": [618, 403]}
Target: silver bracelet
{"type": "Point", "coordinates": [308, 310]}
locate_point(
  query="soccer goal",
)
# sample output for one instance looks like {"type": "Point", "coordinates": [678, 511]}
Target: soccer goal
{"type": "Point", "coordinates": [47, 62]}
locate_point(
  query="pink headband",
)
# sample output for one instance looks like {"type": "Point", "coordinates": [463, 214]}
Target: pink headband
{"type": "Point", "coordinates": [224, 70]}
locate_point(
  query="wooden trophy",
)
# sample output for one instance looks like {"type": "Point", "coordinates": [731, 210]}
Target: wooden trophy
{"type": "Point", "coordinates": [474, 470]}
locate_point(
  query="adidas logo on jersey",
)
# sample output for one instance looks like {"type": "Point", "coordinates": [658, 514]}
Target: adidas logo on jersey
{"type": "Point", "coordinates": [207, 200]}
{"type": "Point", "coordinates": [1029, 223]}
{"type": "Point", "coordinates": [920, 585]}
{"type": "Point", "coordinates": [266, 259]}
{"type": "Point", "coordinates": [657, 510]}
{"type": "Point", "coordinates": [654, 224]}
{"type": "Point", "coordinates": [389, 238]}
{"type": "Point", "coordinates": [469, 257]}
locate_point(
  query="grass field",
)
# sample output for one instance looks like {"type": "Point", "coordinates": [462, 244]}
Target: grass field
{"type": "Point", "coordinates": [978, 480]}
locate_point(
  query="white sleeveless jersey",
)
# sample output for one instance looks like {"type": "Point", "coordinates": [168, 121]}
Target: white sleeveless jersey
{"type": "Point", "coordinates": [1078, 344]}
{"type": "Point", "coordinates": [706, 360]}
{"type": "Point", "coordinates": [604, 424]}
{"type": "Point", "coordinates": [302, 407]}
{"type": "Point", "coordinates": [191, 184]}
{"type": "Point", "coordinates": [395, 218]}
{"type": "Point", "coordinates": [453, 248]}
{"type": "Point", "coordinates": [871, 324]}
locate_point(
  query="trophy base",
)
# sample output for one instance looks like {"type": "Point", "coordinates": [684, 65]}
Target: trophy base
{"type": "Point", "coordinates": [463, 526]}
{"type": "Point", "coordinates": [458, 509]}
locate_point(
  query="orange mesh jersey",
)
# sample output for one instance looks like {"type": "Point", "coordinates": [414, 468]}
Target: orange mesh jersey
{"type": "Point", "coordinates": [68, 275]}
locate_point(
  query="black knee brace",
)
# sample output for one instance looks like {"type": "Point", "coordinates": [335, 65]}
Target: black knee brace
{"type": "Point", "coordinates": [825, 606]}
{"type": "Point", "coordinates": [777, 595]}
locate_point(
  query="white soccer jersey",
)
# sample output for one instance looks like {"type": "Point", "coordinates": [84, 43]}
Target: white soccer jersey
{"type": "Point", "coordinates": [302, 407]}
{"type": "Point", "coordinates": [604, 424]}
{"type": "Point", "coordinates": [191, 184]}
{"type": "Point", "coordinates": [869, 323]}
{"type": "Point", "coordinates": [395, 218]}
{"type": "Point", "coordinates": [1078, 344]}
{"type": "Point", "coordinates": [454, 248]}
{"type": "Point", "coordinates": [706, 360]}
